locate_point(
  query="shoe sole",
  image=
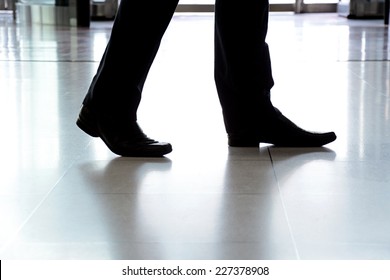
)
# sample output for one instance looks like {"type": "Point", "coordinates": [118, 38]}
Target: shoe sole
{"type": "Point", "coordinates": [318, 141]}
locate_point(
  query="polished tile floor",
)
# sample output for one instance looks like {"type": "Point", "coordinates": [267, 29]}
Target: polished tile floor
{"type": "Point", "coordinates": [63, 195]}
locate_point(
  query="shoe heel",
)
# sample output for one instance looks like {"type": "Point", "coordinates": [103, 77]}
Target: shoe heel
{"type": "Point", "coordinates": [243, 143]}
{"type": "Point", "coordinates": [243, 140]}
{"type": "Point", "coordinates": [86, 128]}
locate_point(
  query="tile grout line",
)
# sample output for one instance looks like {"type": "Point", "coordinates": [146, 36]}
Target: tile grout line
{"type": "Point", "coordinates": [284, 208]}
{"type": "Point", "coordinates": [10, 240]}
{"type": "Point", "coordinates": [4, 248]}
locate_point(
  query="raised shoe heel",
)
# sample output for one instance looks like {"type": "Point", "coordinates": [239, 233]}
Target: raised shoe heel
{"type": "Point", "coordinates": [87, 129]}
{"type": "Point", "coordinates": [86, 122]}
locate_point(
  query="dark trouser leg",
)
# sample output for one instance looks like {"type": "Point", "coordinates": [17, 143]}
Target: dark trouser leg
{"type": "Point", "coordinates": [242, 61]}
{"type": "Point", "coordinates": [243, 78]}
{"type": "Point", "coordinates": [136, 35]}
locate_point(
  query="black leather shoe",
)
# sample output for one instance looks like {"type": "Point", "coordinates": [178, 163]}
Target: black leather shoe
{"type": "Point", "coordinates": [124, 139]}
{"type": "Point", "coordinates": [280, 131]}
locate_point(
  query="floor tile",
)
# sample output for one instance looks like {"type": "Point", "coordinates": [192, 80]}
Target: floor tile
{"type": "Point", "coordinates": [148, 220]}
